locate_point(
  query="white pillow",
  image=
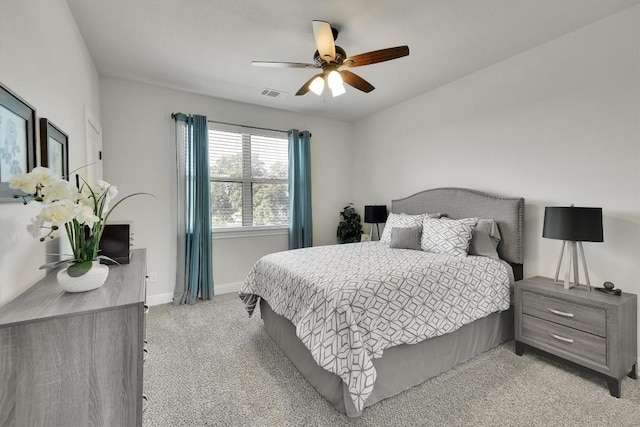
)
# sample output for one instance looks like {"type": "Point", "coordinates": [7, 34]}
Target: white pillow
{"type": "Point", "coordinates": [402, 220]}
{"type": "Point", "coordinates": [450, 236]}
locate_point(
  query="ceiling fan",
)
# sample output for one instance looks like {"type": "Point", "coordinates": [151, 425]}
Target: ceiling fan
{"type": "Point", "coordinates": [334, 63]}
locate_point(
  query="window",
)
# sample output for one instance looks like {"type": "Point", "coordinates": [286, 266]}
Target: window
{"type": "Point", "coordinates": [249, 176]}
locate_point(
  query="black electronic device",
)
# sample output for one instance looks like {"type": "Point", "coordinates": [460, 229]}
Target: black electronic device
{"type": "Point", "coordinates": [608, 288]}
{"type": "Point", "coordinates": [115, 243]}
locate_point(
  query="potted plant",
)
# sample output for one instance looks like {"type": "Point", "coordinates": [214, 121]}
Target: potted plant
{"type": "Point", "coordinates": [349, 228]}
{"type": "Point", "coordinates": [82, 211]}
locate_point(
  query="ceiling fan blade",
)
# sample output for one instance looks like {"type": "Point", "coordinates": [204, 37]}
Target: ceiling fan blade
{"type": "Point", "coordinates": [324, 40]}
{"type": "Point", "coordinates": [282, 64]}
{"type": "Point", "coordinates": [305, 87]}
{"type": "Point", "coordinates": [356, 81]}
{"type": "Point", "coordinates": [376, 56]}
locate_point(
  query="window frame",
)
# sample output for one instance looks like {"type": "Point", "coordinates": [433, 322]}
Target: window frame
{"type": "Point", "coordinates": [246, 181]}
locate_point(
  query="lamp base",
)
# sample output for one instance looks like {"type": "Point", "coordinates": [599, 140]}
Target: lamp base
{"type": "Point", "coordinates": [572, 266]}
{"type": "Point", "coordinates": [377, 229]}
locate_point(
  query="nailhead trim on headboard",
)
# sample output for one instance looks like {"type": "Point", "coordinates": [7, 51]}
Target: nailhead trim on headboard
{"type": "Point", "coordinates": [463, 202]}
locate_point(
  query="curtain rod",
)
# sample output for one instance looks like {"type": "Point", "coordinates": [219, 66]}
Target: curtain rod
{"type": "Point", "coordinates": [251, 127]}
{"type": "Point", "coordinates": [173, 116]}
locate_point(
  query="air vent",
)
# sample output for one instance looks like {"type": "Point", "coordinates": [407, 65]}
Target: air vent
{"type": "Point", "coordinates": [273, 94]}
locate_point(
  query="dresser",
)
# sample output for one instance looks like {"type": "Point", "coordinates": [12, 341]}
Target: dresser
{"type": "Point", "coordinates": [75, 359]}
{"type": "Point", "coordinates": [592, 329]}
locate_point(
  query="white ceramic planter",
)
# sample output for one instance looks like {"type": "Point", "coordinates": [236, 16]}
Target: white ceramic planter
{"type": "Point", "coordinates": [92, 279]}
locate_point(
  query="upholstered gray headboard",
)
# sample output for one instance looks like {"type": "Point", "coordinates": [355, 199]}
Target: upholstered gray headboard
{"type": "Point", "coordinates": [508, 212]}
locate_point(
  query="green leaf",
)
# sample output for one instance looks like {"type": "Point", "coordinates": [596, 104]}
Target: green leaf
{"type": "Point", "coordinates": [77, 270]}
{"type": "Point", "coordinates": [56, 263]}
{"type": "Point", "coordinates": [90, 241]}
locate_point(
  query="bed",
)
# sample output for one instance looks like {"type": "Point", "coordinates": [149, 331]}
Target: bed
{"type": "Point", "coordinates": [362, 322]}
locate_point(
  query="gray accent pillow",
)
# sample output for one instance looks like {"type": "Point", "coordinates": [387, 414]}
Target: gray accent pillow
{"type": "Point", "coordinates": [485, 239]}
{"type": "Point", "coordinates": [406, 237]}
{"type": "Point", "coordinates": [447, 236]}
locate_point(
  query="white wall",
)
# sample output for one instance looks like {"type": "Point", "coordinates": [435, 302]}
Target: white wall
{"type": "Point", "coordinates": [557, 124]}
{"type": "Point", "coordinates": [44, 60]}
{"type": "Point", "coordinates": [139, 155]}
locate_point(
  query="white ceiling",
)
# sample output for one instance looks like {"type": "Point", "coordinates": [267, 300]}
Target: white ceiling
{"type": "Point", "coordinates": [206, 46]}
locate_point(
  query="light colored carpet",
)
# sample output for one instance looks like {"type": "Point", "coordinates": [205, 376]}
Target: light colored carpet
{"type": "Point", "coordinates": [209, 364]}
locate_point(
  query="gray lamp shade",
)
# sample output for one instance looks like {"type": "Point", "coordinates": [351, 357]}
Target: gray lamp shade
{"type": "Point", "coordinates": [375, 214]}
{"type": "Point", "coordinates": [573, 224]}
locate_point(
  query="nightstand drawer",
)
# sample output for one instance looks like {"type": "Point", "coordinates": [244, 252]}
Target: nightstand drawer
{"type": "Point", "coordinates": [582, 317]}
{"type": "Point", "coordinates": [578, 343]}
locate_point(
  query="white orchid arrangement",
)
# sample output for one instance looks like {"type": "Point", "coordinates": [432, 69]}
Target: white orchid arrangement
{"type": "Point", "coordinates": [81, 210]}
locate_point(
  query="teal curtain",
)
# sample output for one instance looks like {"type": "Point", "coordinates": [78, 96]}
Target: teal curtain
{"type": "Point", "coordinates": [300, 219]}
{"type": "Point", "coordinates": [194, 272]}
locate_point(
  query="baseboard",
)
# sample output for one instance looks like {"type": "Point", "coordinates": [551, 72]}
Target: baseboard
{"type": "Point", "coordinates": [159, 299]}
{"type": "Point", "coordinates": [227, 288]}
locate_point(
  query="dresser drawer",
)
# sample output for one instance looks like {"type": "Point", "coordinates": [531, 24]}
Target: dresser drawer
{"type": "Point", "coordinates": [578, 343]}
{"type": "Point", "coordinates": [582, 317]}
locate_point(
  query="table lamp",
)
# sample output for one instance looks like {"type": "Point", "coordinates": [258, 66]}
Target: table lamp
{"type": "Point", "coordinates": [573, 225]}
{"type": "Point", "coordinates": [375, 214]}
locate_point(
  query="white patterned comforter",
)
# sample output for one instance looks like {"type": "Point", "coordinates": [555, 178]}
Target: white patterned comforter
{"type": "Point", "coordinates": [351, 302]}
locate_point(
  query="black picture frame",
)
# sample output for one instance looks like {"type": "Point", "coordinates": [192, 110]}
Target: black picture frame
{"type": "Point", "coordinates": [17, 140]}
{"type": "Point", "coordinates": [54, 148]}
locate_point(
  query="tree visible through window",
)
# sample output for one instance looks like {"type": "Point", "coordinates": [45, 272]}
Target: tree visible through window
{"type": "Point", "coordinates": [249, 176]}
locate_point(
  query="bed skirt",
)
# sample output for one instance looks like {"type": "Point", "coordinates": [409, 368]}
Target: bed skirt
{"type": "Point", "coordinates": [400, 367]}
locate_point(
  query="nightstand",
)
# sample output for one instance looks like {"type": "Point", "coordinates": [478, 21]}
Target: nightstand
{"type": "Point", "coordinates": [589, 328]}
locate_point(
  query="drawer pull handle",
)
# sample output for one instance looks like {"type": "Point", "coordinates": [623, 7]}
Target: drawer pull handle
{"type": "Point", "coordinates": [146, 309]}
{"type": "Point", "coordinates": [560, 313]}
{"type": "Point", "coordinates": [558, 337]}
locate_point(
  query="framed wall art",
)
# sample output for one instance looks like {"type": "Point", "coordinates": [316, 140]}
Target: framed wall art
{"type": "Point", "coordinates": [54, 148]}
{"type": "Point", "coordinates": [17, 140]}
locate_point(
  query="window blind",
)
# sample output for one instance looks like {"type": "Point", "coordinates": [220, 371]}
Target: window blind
{"type": "Point", "coordinates": [249, 176]}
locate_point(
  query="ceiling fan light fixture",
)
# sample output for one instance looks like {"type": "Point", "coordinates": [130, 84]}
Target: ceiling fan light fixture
{"type": "Point", "coordinates": [317, 85]}
{"type": "Point", "coordinates": [334, 80]}
{"type": "Point", "coordinates": [337, 90]}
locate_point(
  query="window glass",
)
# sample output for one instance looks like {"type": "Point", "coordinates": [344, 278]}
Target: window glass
{"type": "Point", "coordinates": [249, 176]}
